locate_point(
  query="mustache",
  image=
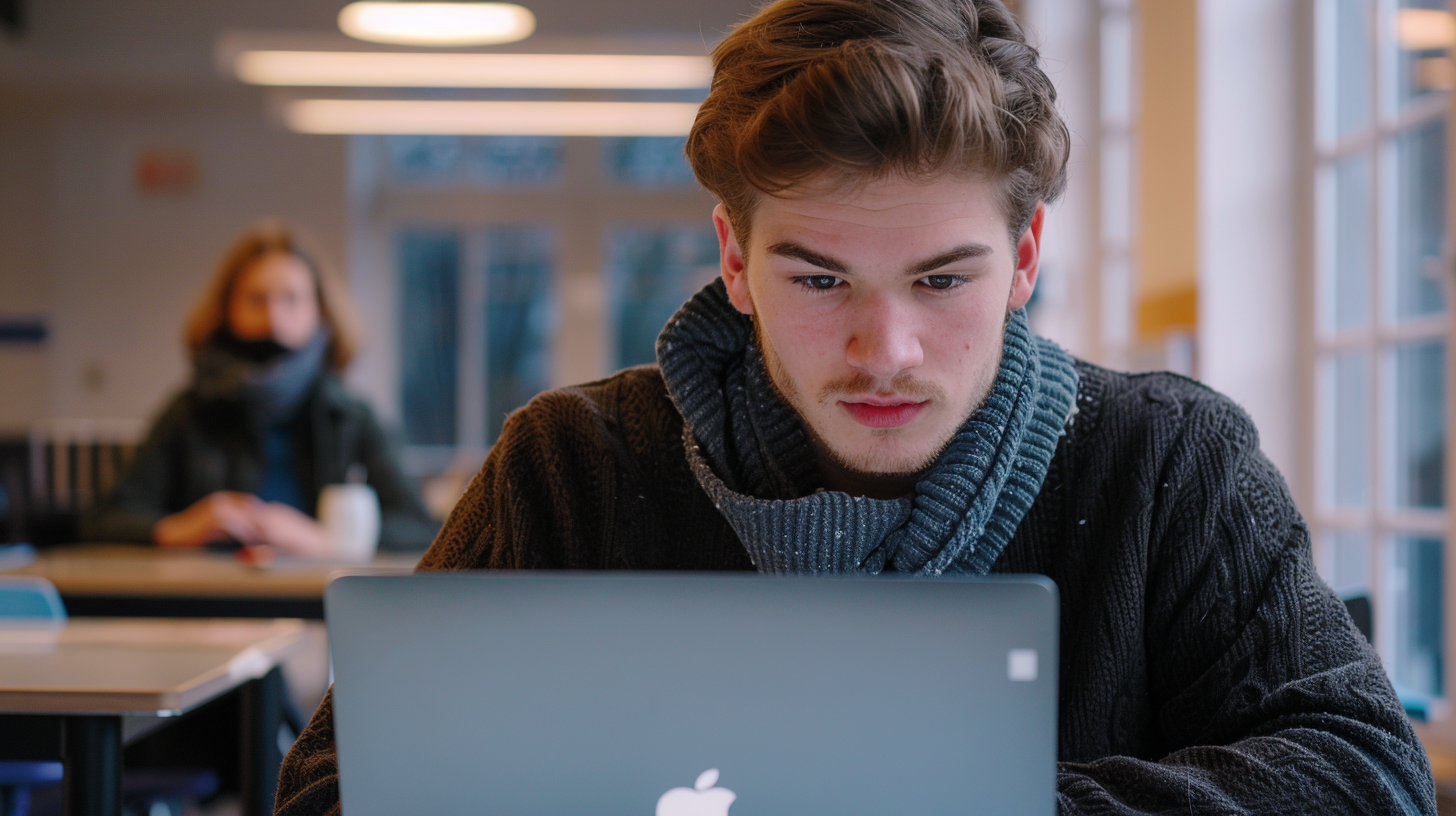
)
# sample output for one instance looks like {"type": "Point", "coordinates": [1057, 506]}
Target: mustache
{"type": "Point", "coordinates": [862, 384]}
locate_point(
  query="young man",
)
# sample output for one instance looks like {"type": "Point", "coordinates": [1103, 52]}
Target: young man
{"type": "Point", "coordinates": [860, 393]}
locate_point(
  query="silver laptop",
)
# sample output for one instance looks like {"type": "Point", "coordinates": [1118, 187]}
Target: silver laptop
{"type": "Point", "coordinates": [673, 694]}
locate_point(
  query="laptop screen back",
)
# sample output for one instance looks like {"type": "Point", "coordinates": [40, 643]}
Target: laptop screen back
{"type": "Point", "coordinates": [617, 693]}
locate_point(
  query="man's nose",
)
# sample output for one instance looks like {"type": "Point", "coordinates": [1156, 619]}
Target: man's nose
{"type": "Point", "coordinates": [885, 341]}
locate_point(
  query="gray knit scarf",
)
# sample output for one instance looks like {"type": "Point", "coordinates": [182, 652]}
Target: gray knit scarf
{"type": "Point", "coordinates": [751, 454]}
{"type": "Point", "coordinates": [271, 389]}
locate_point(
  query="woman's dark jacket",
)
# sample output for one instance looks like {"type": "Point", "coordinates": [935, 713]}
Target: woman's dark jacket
{"type": "Point", "coordinates": [199, 447]}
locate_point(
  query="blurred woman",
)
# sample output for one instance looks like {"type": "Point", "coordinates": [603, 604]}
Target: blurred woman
{"type": "Point", "coordinates": [241, 454]}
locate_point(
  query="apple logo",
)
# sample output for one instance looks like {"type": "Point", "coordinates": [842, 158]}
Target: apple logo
{"type": "Point", "coordinates": [702, 799]}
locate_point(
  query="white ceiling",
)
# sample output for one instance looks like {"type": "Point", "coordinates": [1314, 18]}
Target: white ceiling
{"type": "Point", "coordinates": [98, 45]}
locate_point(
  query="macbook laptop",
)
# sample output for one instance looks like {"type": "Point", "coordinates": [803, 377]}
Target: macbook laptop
{"type": "Point", "coordinates": [669, 694]}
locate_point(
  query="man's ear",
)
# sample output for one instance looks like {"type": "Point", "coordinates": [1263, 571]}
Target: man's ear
{"type": "Point", "coordinates": [1028, 260]}
{"type": "Point", "coordinates": [730, 260]}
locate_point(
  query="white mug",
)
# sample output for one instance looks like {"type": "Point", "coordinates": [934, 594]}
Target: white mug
{"type": "Point", "coordinates": [350, 514]}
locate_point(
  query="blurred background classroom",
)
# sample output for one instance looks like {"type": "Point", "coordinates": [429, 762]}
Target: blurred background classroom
{"type": "Point", "coordinates": [1258, 199]}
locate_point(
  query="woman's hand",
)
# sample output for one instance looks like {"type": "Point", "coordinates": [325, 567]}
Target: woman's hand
{"type": "Point", "coordinates": [284, 530]}
{"type": "Point", "coordinates": [217, 517]}
{"type": "Point", "coordinates": [266, 529]}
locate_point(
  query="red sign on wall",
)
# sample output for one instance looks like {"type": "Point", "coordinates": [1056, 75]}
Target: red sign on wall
{"type": "Point", "coordinates": [165, 170]}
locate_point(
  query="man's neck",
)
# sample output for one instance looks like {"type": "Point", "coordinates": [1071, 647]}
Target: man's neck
{"type": "Point", "coordinates": [857, 483]}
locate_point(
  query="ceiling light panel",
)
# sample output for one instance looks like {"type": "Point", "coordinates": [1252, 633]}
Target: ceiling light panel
{"type": "Point", "coordinates": [379, 69]}
{"type": "Point", "coordinates": [1418, 29]}
{"type": "Point", "coordinates": [469, 118]}
{"type": "Point", "coordinates": [438, 24]}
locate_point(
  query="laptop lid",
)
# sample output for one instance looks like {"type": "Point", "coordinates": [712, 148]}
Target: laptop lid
{"type": "Point", "coordinates": [686, 694]}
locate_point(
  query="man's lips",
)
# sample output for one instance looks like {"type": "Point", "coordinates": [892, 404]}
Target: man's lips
{"type": "Point", "coordinates": [880, 414]}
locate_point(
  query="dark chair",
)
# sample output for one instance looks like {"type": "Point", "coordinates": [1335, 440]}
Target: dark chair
{"type": "Point", "coordinates": [68, 466]}
{"type": "Point", "coordinates": [1363, 615]}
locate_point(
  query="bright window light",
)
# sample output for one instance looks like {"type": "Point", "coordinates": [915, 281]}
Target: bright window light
{"type": "Point", "coordinates": [1424, 29]}
{"type": "Point", "coordinates": [382, 69]}
{"type": "Point", "coordinates": [442, 24]}
{"type": "Point", "coordinates": [471, 118]}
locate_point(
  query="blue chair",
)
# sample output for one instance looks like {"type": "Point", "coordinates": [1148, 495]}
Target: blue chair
{"type": "Point", "coordinates": [19, 780]}
{"type": "Point", "coordinates": [144, 792]}
{"type": "Point", "coordinates": [28, 602]}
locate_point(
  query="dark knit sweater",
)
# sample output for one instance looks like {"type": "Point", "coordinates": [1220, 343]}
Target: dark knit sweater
{"type": "Point", "coordinates": [1205, 667]}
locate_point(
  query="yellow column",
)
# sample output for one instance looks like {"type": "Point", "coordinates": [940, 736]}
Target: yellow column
{"type": "Point", "coordinates": [1166, 290]}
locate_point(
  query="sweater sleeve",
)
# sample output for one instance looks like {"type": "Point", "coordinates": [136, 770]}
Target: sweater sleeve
{"type": "Point", "coordinates": [308, 782]}
{"type": "Point", "coordinates": [1266, 697]}
{"type": "Point", "coordinates": [544, 498]}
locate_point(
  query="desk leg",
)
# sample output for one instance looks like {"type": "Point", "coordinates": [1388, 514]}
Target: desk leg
{"type": "Point", "coordinates": [262, 714]}
{"type": "Point", "coordinates": [93, 766]}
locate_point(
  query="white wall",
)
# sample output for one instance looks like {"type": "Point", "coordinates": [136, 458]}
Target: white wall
{"type": "Point", "coordinates": [1251, 321]}
{"type": "Point", "coordinates": [24, 293]}
{"type": "Point", "coordinates": [124, 266]}
{"type": "Point", "coordinates": [1065, 33]}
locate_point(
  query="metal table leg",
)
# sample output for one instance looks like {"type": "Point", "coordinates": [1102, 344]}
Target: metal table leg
{"type": "Point", "coordinates": [92, 748]}
{"type": "Point", "coordinates": [262, 714]}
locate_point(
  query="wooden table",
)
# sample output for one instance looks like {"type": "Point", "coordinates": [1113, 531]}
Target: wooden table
{"type": "Point", "coordinates": [131, 580]}
{"type": "Point", "coordinates": [78, 694]}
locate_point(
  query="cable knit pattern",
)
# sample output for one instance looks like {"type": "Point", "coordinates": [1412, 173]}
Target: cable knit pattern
{"type": "Point", "coordinates": [749, 451]}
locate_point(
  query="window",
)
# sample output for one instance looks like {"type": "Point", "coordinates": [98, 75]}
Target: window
{"type": "Point", "coordinates": [653, 270]}
{"type": "Point", "coordinates": [505, 266]}
{"type": "Point", "coordinates": [1381, 334]}
{"type": "Point", "coordinates": [475, 323]}
{"type": "Point", "coordinates": [647, 161]}
{"type": "Point", "coordinates": [429, 272]}
{"type": "Point", "coordinates": [488, 161]}
{"type": "Point", "coordinates": [518, 319]}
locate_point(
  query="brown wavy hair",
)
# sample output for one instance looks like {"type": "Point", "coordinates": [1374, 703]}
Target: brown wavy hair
{"type": "Point", "coordinates": [209, 316]}
{"type": "Point", "coordinates": [867, 88]}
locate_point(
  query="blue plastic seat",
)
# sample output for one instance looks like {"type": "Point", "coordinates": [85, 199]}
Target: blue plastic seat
{"type": "Point", "coordinates": [28, 602]}
{"type": "Point", "coordinates": [19, 781]}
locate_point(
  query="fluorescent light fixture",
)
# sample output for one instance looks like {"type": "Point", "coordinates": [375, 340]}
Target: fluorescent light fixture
{"type": "Point", "coordinates": [1424, 29]}
{"type": "Point", "coordinates": [441, 24]}
{"type": "Point", "coordinates": [385, 69]}
{"type": "Point", "coordinates": [457, 117]}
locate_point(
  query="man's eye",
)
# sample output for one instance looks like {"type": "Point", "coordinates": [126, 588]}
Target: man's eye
{"type": "Point", "coordinates": [819, 282]}
{"type": "Point", "coordinates": [943, 281]}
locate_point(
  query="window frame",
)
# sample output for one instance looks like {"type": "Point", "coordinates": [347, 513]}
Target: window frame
{"type": "Point", "coordinates": [1381, 521]}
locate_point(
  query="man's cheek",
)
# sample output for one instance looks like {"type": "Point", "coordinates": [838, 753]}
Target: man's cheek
{"type": "Point", "coordinates": [808, 350]}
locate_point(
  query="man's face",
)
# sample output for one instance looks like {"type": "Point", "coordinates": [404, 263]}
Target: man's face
{"type": "Point", "coordinates": [880, 309]}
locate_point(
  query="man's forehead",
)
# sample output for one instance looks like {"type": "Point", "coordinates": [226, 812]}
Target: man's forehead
{"type": "Point", "coordinates": [952, 202]}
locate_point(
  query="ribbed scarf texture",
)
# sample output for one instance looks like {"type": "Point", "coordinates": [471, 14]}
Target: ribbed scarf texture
{"type": "Point", "coordinates": [750, 452]}
{"type": "Point", "coordinates": [270, 390]}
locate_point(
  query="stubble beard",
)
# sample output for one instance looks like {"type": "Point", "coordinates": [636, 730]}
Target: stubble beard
{"type": "Point", "coordinates": [874, 463]}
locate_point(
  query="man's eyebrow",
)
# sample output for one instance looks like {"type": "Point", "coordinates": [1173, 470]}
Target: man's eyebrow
{"type": "Point", "coordinates": [960, 253]}
{"type": "Point", "coordinates": [791, 250]}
